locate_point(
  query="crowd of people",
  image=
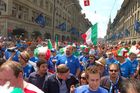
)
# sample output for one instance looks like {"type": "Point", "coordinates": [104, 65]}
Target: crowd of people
{"type": "Point", "coordinates": [34, 67]}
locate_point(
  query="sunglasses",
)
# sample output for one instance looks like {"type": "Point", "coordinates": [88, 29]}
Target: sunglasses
{"type": "Point", "coordinates": [84, 78]}
{"type": "Point", "coordinates": [113, 70]}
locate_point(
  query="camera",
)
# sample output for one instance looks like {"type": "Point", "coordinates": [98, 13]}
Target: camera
{"type": "Point", "coordinates": [13, 49]}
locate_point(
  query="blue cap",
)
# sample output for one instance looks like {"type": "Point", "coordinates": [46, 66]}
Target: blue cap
{"type": "Point", "coordinates": [53, 50]}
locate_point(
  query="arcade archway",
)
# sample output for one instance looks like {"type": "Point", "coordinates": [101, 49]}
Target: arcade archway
{"type": "Point", "coordinates": [47, 36]}
{"type": "Point", "coordinates": [36, 34]}
{"type": "Point", "coordinates": [20, 32]}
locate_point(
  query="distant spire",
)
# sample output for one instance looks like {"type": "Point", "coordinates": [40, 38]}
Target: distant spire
{"type": "Point", "coordinates": [109, 21]}
{"type": "Point", "coordinates": [109, 25]}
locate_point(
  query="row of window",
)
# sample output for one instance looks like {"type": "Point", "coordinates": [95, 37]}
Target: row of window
{"type": "Point", "coordinates": [132, 8]}
{"type": "Point", "coordinates": [132, 13]}
{"type": "Point", "coordinates": [27, 14]}
{"type": "Point", "coordinates": [23, 13]}
{"type": "Point", "coordinates": [41, 3]}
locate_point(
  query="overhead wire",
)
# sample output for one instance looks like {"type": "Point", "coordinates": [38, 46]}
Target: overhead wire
{"type": "Point", "coordinates": [112, 8]}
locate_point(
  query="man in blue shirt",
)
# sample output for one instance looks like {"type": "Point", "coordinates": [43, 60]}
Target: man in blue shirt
{"type": "Point", "coordinates": [84, 58]}
{"type": "Point", "coordinates": [93, 77]}
{"type": "Point", "coordinates": [134, 62]}
{"type": "Point", "coordinates": [70, 60]}
{"type": "Point", "coordinates": [12, 54]}
{"type": "Point", "coordinates": [125, 67]}
{"type": "Point", "coordinates": [52, 61]}
{"type": "Point", "coordinates": [109, 60]}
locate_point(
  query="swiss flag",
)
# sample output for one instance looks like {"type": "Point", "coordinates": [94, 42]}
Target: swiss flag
{"type": "Point", "coordinates": [86, 3]}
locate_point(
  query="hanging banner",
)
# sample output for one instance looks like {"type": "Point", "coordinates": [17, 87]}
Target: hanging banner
{"type": "Point", "coordinates": [86, 3]}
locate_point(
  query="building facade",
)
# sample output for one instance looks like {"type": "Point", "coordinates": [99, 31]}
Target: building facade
{"type": "Point", "coordinates": [61, 17]}
{"type": "Point", "coordinates": [123, 26]}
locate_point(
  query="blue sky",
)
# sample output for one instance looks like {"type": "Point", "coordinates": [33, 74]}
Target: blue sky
{"type": "Point", "coordinates": [103, 10]}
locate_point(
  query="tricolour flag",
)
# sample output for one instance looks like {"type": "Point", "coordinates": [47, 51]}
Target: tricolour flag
{"type": "Point", "coordinates": [86, 3]}
{"type": "Point", "coordinates": [56, 42]}
{"type": "Point", "coordinates": [49, 44]}
{"type": "Point", "coordinates": [90, 36]}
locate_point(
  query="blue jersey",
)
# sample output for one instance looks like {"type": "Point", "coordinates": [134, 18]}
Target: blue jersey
{"type": "Point", "coordinates": [34, 59]}
{"type": "Point", "coordinates": [27, 70]}
{"type": "Point", "coordinates": [15, 58]}
{"type": "Point", "coordinates": [51, 65]}
{"type": "Point", "coordinates": [134, 64]}
{"type": "Point", "coordinates": [83, 59]}
{"type": "Point", "coordinates": [18, 45]}
{"type": "Point", "coordinates": [85, 89]}
{"type": "Point", "coordinates": [108, 62]}
{"type": "Point", "coordinates": [126, 69]}
{"type": "Point", "coordinates": [72, 62]}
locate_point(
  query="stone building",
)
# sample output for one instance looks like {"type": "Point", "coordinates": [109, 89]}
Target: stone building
{"type": "Point", "coordinates": [122, 28]}
{"type": "Point", "coordinates": [63, 18]}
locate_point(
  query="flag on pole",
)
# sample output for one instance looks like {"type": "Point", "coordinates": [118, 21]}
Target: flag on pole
{"type": "Point", "coordinates": [62, 26]}
{"type": "Point", "coordinates": [49, 44]}
{"type": "Point", "coordinates": [86, 3]}
{"type": "Point", "coordinates": [137, 26]}
{"type": "Point", "coordinates": [56, 42]}
{"type": "Point", "coordinates": [41, 20]}
{"type": "Point", "coordinates": [90, 36]}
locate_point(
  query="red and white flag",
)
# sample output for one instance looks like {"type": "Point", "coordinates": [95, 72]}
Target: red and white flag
{"type": "Point", "coordinates": [86, 3]}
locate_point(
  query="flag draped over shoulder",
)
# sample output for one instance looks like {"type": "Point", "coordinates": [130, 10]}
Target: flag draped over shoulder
{"type": "Point", "coordinates": [90, 36]}
{"type": "Point", "coordinates": [41, 20]}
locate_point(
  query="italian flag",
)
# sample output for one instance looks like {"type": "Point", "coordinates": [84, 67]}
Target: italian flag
{"type": "Point", "coordinates": [90, 37]}
{"type": "Point", "coordinates": [56, 43]}
{"type": "Point", "coordinates": [49, 44]}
